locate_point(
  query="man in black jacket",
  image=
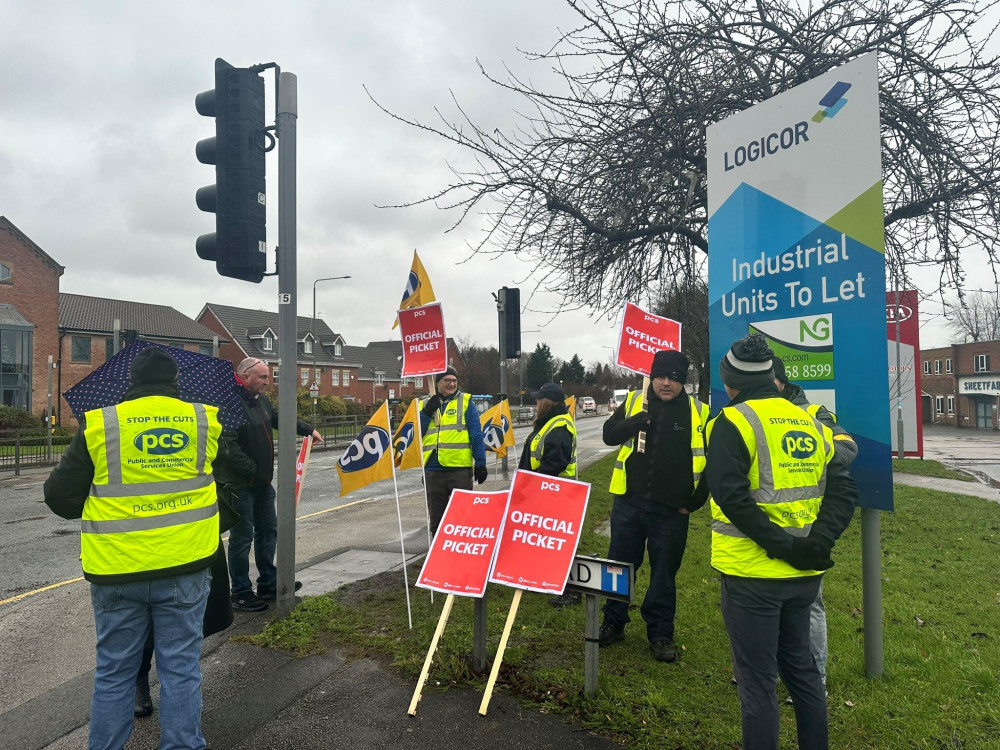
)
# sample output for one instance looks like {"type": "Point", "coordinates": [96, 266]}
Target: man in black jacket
{"type": "Point", "coordinates": [656, 486]}
{"type": "Point", "coordinates": [251, 475]}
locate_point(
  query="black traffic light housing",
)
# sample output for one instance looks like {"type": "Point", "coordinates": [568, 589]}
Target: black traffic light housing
{"type": "Point", "coordinates": [238, 197]}
{"type": "Point", "coordinates": [510, 298]}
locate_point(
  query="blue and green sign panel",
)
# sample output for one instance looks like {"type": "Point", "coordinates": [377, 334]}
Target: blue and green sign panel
{"type": "Point", "coordinates": [796, 251]}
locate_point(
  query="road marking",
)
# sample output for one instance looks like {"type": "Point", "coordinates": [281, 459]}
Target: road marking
{"type": "Point", "coordinates": [42, 590]}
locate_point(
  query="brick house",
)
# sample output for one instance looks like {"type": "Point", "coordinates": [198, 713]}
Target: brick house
{"type": "Point", "coordinates": [29, 319]}
{"type": "Point", "coordinates": [961, 385]}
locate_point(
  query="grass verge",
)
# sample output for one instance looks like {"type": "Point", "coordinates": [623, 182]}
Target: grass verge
{"type": "Point", "coordinates": [941, 623]}
{"type": "Point", "coordinates": [928, 468]}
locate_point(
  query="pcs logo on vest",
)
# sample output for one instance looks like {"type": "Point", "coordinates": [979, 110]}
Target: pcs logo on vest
{"type": "Point", "coordinates": [366, 450]}
{"type": "Point", "coordinates": [161, 441]}
{"type": "Point", "coordinates": [798, 444]}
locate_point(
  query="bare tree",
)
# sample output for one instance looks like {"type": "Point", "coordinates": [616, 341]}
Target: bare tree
{"type": "Point", "coordinates": [602, 183]}
{"type": "Point", "coordinates": [976, 317]}
{"type": "Point", "coordinates": [686, 301]}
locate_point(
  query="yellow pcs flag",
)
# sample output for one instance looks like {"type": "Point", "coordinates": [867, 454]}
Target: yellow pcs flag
{"type": "Point", "coordinates": [369, 458]}
{"type": "Point", "coordinates": [418, 288]}
{"type": "Point", "coordinates": [407, 452]}
{"type": "Point", "coordinates": [571, 407]}
{"type": "Point", "coordinates": [497, 432]}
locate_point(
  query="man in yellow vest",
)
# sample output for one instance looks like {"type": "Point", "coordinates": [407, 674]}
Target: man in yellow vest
{"type": "Point", "coordinates": [139, 474]}
{"type": "Point", "coordinates": [453, 445]}
{"type": "Point", "coordinates": [778, 506]}
{"type": "Point", "coordinates": [656, 485]}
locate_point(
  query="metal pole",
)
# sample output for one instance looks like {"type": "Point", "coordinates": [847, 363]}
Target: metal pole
{"type": "Point", "coordinates": [591, 637]}
{"type": "Point", "coordinates": [287, 115]}
{"type": "Point", "coordinates": [501, 307]}
{"type": "Point", "coordinates": [48, 418]}
{"type": "Point", "coordinates": [899, 385]}
{"type": "Point", "coordinates": [117, 345]}
{"type": "Point", "coordinates": [871, 590]}
{"type": "Point", "coordinates": [312, 324]}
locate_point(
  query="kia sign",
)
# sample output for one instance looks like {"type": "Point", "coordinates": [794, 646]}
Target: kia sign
{"type": "Point", "coordinates": [540, 532]}
{"type": "Point", "coordinates": [465, 543]}
{"type": "Point", "coordinates": [904, 375]}
{"type": "Point", "coordinates": [642, 335]}
{"type": "Point", "coordinates": [425, 349]}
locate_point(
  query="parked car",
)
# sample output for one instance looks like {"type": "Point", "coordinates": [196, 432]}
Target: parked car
{"type": "Point", "coordinates": [525, 414]}
{"type": "Point", "coordinates": [587, 405]}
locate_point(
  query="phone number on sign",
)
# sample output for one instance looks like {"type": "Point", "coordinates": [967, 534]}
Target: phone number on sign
{"type": "Point", "coordinates": [809, 372]}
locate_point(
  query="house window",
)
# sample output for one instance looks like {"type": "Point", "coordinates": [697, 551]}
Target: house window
{"type": "Point", "coordinates": [335, 377]}
{"type": "Point", "coordinates": [5, 274]}
{"type": "Point", "coordinates": [347, 377]}
{"type": "Point", "coordinates": [418, 382]}
{"type": "Point", "coordinates": [379, 378]}
{"type": "Point", "coordinates": [982, 363]}
{"type": "Point", "coordinates": [109, 348]}
{"type": "Point", "coordinates": [938, 404]}
{"type": "Point", "coordinates": [336, 350]}
{"type": "Point", "coordinates": [927, 367]}
{"type": "Point", "coordinates": [268, 344]}
{"type": "Point", "coordinates": [81, 348]}
{"type": "Point", "coordinates": [937, 366]}
{"type": "Point", "coordinates": [307, 346]}
{"type": "Point", "coordinates": [205, 349]}
{"type": "Point", "coordinates": [274, 376]}
{"type": "Point", "coordinates": [304, 374]}
{"type": "Point", "coordinates": [951, 404]}
{"type": "Point", "coordinates": [947, 366]}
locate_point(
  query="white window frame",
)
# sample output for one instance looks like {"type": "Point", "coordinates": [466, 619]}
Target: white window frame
{"type": "Point", "coordinates": [937, 366]}
{"type": "Point", "coordinates": [947, 366]}
{"type": "Point", "coordinates": [939, 405]}
{"type": "Point", "coordinates": [379, 378]}
{"type": "Point", "coordinates": [274, 376]}
{"type": "Point", "coordinates": [951, 404]}
{"type": "Point", "coordinates": [347, 378]}
{"type": "Point", "coordinates": [335, 377]}
{"type": "Point", "coordinates": [307, 346]}
{"type": "Point", "coordinates": [337, 349]}
{"type": "Point", "coordinates": [418, 382]}
{"type": "Point", "coordinates": [927, 367]}
{"type": "Point", "coordinates": [980, 363]}
{"type": "Point", "coordinates": [267, 344]}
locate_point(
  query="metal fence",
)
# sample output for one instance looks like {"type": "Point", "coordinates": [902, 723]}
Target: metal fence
{"type": "Point", "coordinates": [21, 449]}
{"type": "Point", "coordinates": [338, 431]}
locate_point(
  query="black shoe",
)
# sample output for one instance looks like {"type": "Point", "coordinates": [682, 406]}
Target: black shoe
{"type": "Point", "coordinates": [246, 601]}
{"type": "Point", "coordinates": [664, 651]}
{"type": "Point", "coordinates": [143, 702]}
{"type": "Point", "coordinates": [269, 594]}
{"type": "Point", "coordinates": [567, 599]}
{"type": "Point", "coordinates": [610, 634]}
{"type": "Point", "coordinates": [733, 680]}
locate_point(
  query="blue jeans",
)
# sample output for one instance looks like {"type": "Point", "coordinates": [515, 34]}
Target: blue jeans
{"type": "Point", "coordinates": [665, 534]}
{"type": "Point", "coordinates": [258, 524]}
{"type": "Point", "coordinates": [124, 612]}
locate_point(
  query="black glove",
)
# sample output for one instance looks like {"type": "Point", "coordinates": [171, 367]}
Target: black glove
{"type": "Point", "coordinates": [808, 553]}
{"type": "Point", "coordinates": [638, 423]}
{"type": "Point", "coordinates": [480, 472]}
{"type": "Point", "coordinates": [432, 405]}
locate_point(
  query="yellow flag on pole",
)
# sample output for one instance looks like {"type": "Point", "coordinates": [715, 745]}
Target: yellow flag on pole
{"type": "Point", "coordinates": [406, 448]}
{"type": "Point", "coordinates": [418, 288]}
{"type": "Point", "coordinates": [369, 458]}
{"type": "Point", "coordinates": [507, 423]}
{"type": "Point", "coordinates": [497, 432]}
{"type": "Point", "coordinates": [571, 407]}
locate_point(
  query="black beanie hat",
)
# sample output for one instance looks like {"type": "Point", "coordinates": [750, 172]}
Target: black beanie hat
{"type": "Point", "coordinates": [779, 369]}
{"type": "Point", "coordinates": [747, 363]}
{"type": "Point", "coordinates": [449, 371]}
{"type": "Point", "coordinates": [153, 365]}
{"type": "Point", "coordinates": [670, 364]}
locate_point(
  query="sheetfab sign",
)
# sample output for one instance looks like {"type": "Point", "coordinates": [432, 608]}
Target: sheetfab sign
{"type": "Point", "coordinates": [796, 250]}
{"type": "Point", "coordinates": [642, 335]}
{"type": "Point", "coordinates": [425, 350]}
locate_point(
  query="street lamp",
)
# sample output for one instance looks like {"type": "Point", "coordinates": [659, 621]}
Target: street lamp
{"type": "Point", "coordinates": [312, 333]}
{"type": "Point", "coordinates": [613, 368]}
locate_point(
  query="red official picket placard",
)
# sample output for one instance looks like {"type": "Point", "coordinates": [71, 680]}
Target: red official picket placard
{"type": "Point", "coordinates": [642, 335]}
{"type": "Point", "coordinates": [425, 347]}
{"type": "Point", "coordinates": [540, 532]}
{"type": "Point", "coordinates": [466, 541]}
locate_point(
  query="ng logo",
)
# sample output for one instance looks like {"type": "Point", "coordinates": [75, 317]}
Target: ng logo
{"type": "Point", "coordinates": [366, 450]}
{"type": "Point", "coordinates": [161, 441]}
{"type": "Point", "coordinates": [798, 444]}
{"type": "Point", "coordinates": [820, 330]}
{"type": "Point", "coordinates": [833, 102]}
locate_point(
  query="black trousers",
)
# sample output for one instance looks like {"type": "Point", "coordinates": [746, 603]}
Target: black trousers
{"type": "Point", "coordinates": [439, 487]}
{"type": "Point", "coordinates": [768, 624]}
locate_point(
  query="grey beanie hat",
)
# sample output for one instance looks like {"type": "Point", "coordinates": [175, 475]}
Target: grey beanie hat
{"type": "Point", "coordinates": [747, 363]}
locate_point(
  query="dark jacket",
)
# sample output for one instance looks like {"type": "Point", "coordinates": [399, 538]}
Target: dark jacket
{"type": "Point", "coordinates": [472, 425]}
{"type": "Point", "coordinates": [557, 448]}
{"type": "Point", "coordinates": [662, 474]}
{"type": "Point", "coordinates": [251, 463]}
{"type": "Point", "coordinates": [727, 474]}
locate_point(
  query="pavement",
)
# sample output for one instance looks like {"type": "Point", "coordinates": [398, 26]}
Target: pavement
{"type": "Point", "coordinates": [260, 699]}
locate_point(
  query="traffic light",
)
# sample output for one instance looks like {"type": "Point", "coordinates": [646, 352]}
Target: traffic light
{"type": "Point", "coordinates": [511, 299]}
{"type": "Point", "coordinates": [238, 197]}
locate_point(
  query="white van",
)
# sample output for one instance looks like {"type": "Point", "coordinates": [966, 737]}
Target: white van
{"type": "Point", "coordinates": [617, 399]}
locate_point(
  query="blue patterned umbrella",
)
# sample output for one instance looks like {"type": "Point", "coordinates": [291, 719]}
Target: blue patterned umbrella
{"type": "Point", "coordinates": [203, 379]}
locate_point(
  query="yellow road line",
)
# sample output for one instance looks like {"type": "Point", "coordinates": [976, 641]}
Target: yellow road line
{"type": "Point", "coordinates": [42, 590]}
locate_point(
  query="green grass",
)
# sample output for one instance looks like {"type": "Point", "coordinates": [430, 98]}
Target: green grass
{"type": "Point", "coordinates": [928, 468]}
{"type": "Point", "coordinates": [941, 605]}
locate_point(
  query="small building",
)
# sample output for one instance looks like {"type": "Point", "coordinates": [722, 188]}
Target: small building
{"type": "Point", "coordinates": [961, 385]}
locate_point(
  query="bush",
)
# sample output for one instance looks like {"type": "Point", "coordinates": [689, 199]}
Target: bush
{"type": "Point", "coordinates": [18, 419]}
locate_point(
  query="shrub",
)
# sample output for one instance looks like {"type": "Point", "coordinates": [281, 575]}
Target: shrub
{"type": "Point", "coordinates": [18, 419]}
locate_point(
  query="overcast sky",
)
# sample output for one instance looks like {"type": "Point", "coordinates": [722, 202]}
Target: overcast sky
{"type": "Point", "coordinates": [99, 128]}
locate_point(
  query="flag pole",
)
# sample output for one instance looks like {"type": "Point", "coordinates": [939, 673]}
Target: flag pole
{"type": "Point", "coordinates": [399, 517]}
{"type": "Point", "coordinates": [305, 465]}
{"type": "Point", "coordinates": [423, 477]}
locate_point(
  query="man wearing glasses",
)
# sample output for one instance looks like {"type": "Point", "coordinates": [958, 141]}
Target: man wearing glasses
{"type": "Point", "coordinates": [453, 444]}
{"type": "Point", "coordinates": [251, 477]}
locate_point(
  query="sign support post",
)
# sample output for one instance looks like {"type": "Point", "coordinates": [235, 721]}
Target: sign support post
{"type": "Point", "coordinates": [592, 646]}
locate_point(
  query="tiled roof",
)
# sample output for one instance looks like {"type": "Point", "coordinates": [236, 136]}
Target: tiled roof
{"type": "Point", "coordinates": [97, 314]}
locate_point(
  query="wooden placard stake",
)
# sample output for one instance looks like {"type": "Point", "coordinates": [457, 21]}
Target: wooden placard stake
{"type": "Point", "coordinates": [425, 672]}
{"type": "Point", "coordinates": [640, 443]}
{"type": "Point", "coordinates": [498, 659]}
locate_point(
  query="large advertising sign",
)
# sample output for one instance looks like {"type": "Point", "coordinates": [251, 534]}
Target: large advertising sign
{"type": "Point", "coordinates": [642, 335]}
{"type": "Point", "coordinates": [540, 532]}
{"type": "Point", "coordinates": [425, 349]}
{"type": "Point", "coordinates": [797, 252]}
{"type": "Point", "coordinates": [904, 373]}
{"type": "Point", "coordinates": [465, 544]}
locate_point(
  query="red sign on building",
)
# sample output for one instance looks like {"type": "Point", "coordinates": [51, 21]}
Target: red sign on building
{"type": "Point", "coordinates": [540, 532]}
{"type": "Point", "coordinates": [642, 335]}
{"type": "Point", "coordinates": [903, 334]}
{"type": "Point", "coordinates": [425, 348]}
{"type": "Point", "coordinates": [465, 544]}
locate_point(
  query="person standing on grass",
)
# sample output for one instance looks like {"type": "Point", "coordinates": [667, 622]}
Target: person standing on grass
{"type": "Point", "coordinates": [779, 503]}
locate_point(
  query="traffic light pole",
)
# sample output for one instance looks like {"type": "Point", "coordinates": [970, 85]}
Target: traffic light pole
{"type": "Point", "coordinates": [287, 116]}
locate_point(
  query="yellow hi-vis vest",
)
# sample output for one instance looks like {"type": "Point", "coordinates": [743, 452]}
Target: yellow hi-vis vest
{"type": "Point", "coordinates": [448, 434]}
{"type": "Point", "coordinates": [789, 452]}
{"type": "Point", "coordinates": [538, 443]}
{"type": "Point", "coordinates": [699, 418]}
{"type": "Point", "coordinates": [152, 507]}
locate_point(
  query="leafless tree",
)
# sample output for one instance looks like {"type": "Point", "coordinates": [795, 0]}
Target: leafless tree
{"type": "Point", "coordinates": [976, 317]}
{"type": "Point", "coordinates": [686, 301]}
{"type": "Point", "coordinates": [602, 183]}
